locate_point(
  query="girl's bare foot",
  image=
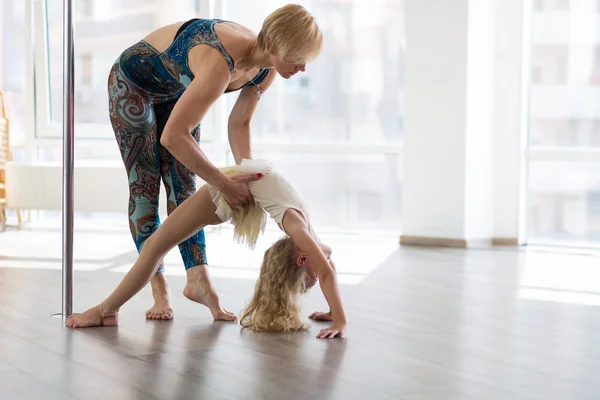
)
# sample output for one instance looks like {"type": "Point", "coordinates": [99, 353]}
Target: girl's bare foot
{"type": "Point", "coordinates": [162, 299]}
{"type": "Point", "coordinates": [200, 289]}
{"type": "Point", "coordinates": [92, 317]}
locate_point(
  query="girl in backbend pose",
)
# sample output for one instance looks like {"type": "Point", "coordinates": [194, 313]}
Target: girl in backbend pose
{"type": "Point", "coordinates": [290, 266]}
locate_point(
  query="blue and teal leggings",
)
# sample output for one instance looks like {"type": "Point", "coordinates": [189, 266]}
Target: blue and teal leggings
{"type": "Point", "coordinates": [138, 117]}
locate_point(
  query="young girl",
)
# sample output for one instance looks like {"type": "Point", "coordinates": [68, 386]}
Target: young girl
{"type": "Point", "coordinates": [290, 266]}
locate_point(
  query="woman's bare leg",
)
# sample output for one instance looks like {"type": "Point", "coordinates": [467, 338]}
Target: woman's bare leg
{"type": "Point", "coordinates": [200, 289]}
{"type": "Point", "coordinates": [193, 214]}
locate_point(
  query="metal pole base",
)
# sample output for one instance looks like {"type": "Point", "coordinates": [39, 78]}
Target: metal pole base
{"type": "Point", "coordinates": [62, 315]}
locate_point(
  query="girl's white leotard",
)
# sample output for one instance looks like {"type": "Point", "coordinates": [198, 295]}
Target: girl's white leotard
{"type": "Point", "coordinates": [272, 192]}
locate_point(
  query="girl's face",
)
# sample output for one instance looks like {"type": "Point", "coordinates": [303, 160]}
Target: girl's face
{"type": "Point", "coordinates": [303, 261]}
{"type": "Point", "coordinates": [310, 281]}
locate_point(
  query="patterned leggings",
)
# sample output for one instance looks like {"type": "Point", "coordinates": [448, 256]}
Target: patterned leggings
{"type": "Point", "coordinates": [138, 119]}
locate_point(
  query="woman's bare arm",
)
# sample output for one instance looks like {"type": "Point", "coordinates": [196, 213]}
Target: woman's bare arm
{"type": "Point", "coordinates": [207, 86]}
{"type": "Point", "coordinates": [190, 109]}
{"type": "Point", "coordinates": [240, 117]}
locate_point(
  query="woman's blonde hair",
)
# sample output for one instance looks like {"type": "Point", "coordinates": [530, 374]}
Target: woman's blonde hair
{"type": "Point", "coordinates": [292, 33]}
{"type": "Point", "coordinates": [275, 307]}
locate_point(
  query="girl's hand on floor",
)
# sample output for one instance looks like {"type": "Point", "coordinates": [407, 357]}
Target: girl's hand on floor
{"type": "Point", "coordinates": [334, 331]}
{"type": "Point", "coordinates": [321, 316]}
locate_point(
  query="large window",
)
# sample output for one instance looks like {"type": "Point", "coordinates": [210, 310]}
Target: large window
{"type": "Point", "coordinates": [13, 71]}
{"type": "Point", "coordinates": [336, 129]}
{"type": "Point", "coordinates": [102, 30]}
{"type": "Point", "coordinates": [345, 191]}
{"type": "Point", "coordinates": [353, 92]}
{"type": "Point", "coordinates": [564, 124]}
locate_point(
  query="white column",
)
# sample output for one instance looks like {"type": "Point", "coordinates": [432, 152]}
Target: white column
{"type": "Point", "coordinates": [512, 83]}
{"type": "Point", "coordinates": [450, 133]}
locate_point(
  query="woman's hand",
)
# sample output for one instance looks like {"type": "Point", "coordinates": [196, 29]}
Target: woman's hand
{"type": "Point", "coordinates": [334, 331]}
{"type": "Point", "coordinates": [236, 190]}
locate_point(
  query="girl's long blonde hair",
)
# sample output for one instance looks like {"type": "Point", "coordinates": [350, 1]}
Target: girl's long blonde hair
{"type": "Point", "coordinates": [248, 222]}
{"type": "Point", "coordinates": [275, 307]}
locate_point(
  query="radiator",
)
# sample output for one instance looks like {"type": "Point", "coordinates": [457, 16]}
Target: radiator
{"type": "Point", "coordinates": [98, 187]}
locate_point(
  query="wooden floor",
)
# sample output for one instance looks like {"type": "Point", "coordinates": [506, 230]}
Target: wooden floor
{"type": "Point", "coordinates": [426, 324]}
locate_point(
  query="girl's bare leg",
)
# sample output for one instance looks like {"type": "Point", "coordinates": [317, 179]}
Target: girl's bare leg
{"type": "Point", "coordinates": [193, 214]}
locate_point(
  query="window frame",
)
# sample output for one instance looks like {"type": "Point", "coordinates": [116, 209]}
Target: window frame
{"type": "Point", "coordinates": [45, 128]}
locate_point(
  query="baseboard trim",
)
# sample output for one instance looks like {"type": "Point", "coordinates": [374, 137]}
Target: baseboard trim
{"type": "Point", "coordinates": [506, 241]}
{"type": "Point", "coordinates": [456, 243]}
{"type": "Point", "coordinates": [432, 241]}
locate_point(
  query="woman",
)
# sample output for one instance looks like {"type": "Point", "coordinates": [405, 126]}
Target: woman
{"type": "Point", "coordinates": [159, 91]}
{"type": "Point", "coordinates": [290, 266]}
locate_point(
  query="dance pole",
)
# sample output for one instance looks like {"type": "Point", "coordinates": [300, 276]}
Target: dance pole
{"type": "Point", "coordinates": [68, 162]}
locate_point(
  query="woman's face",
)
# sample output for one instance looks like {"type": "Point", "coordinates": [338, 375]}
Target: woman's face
{"type": "Point", "coordinates": [287, 68]}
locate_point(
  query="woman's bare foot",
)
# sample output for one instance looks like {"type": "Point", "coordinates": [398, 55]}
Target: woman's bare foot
{"type": "Point", "coordinates": [200, 289]}
{"type": "Point", "coordinates": [162, 299]}
{"type": "Point", "coordinates": [92, 317]}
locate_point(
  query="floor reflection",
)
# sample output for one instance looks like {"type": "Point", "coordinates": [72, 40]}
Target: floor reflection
{"type": "Point", "coordinates": [564, 276]}
{"type": "Point", "coordinates": [356, 255]}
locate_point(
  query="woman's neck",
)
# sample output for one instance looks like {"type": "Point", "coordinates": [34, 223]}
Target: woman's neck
{"type": "Point", "coordinates": [255, 58]}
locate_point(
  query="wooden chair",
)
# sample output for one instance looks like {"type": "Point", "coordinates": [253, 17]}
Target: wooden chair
{"type": "Point", "coordinates": [5, 157]}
